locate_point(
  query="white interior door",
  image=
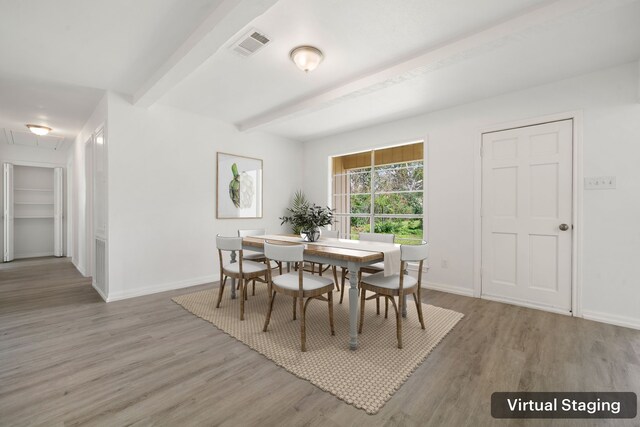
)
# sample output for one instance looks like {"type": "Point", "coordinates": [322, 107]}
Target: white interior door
{"type": "Point", "coordinates": [8, 212]}
{"type": "Point", "coordinates": [526, 215]}
{"type": "Point", "coordinates": [58, 200]}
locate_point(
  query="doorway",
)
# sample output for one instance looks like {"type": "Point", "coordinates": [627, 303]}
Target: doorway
{"type": "Point", "coordinates": [526, 215]}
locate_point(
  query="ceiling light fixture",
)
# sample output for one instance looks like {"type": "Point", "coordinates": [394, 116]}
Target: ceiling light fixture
{"type": "Point", "coordinates": [307, 58]}
{"type": "Point", "coordinates": [39, 130]}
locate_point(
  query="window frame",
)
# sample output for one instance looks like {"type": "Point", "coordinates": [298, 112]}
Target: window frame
{"type": "Point", "coordinates": [372, 215]}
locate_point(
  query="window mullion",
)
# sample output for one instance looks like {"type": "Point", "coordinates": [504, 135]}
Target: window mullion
{"type": "Point", "coordinates": [372, 193]}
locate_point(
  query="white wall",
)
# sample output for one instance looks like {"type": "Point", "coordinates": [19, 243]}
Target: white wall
{"type": "Point", "coordinates": [611, 137]}
{"type": "Point", "coordinates": [162, 187]}
{"type": "Point", "coordinates": [77, 186]}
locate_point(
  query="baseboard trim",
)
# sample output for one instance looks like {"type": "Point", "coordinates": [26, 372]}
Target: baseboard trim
{"type": "Point", "coordinates": [117, 296]}
{"type": "Point", "coordinates": [32, 255]}
{"type": "Point", "coordinates": [612, 319]}
{"type": "Point", "coordinates": [526, 304]}
{"type": "Point", "coordinates": [99, 291]}
{"type": "Point", "coordinates": [452, 289]}
{"type": "Point", "coordinates": [79, 267]}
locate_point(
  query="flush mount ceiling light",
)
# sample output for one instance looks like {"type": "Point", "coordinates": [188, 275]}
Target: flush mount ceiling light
{"type": "Point", "coordinates": [307, 58]}
{"type": "Point", "coordinates": [39, 130]}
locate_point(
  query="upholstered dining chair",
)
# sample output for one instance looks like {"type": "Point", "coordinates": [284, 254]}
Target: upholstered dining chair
{"type": "Point", "coordinates": [297, 284]}
{"type": "Point", "coordinates": [242, 270]}
{"type": "Point", "coordinates": [373, 268]}
{"type": "Point", "coordinates": [329, 234]}
{"type": "Point", "coordinates": [396, 285]}
{"type": "Point", "coordinates": [255, 255]}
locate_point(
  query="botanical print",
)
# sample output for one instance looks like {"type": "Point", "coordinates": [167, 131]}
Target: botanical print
{"type": "Point", "coordinates": [239, 187]}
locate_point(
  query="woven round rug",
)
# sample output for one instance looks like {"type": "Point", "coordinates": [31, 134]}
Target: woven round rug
{"type": "Point", "coordinates": [365, 378]}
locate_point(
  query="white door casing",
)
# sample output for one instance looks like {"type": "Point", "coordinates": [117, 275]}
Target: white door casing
{"type": "Point", "coordinates": [58, 224]}
{"type": "Point", "coordinates": [8, 212]}
{"type": "Point", "coordinates": [526, 199]}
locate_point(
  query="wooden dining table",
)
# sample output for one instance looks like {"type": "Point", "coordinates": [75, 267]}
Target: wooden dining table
{"type": "Point", "coordinates": [352, 259]}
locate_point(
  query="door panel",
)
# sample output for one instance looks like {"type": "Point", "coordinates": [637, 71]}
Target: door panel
{"type": "Point", "coordinates": [526, 195]}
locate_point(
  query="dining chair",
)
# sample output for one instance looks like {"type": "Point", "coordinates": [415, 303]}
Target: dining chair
{"type": "Point", "coordinates": [243, 270]}
{"type": "Point", "coordinates": [297, 284]}
{"type": "Point", "coordinates": [396, 285]}
{"type": "Point", "coordinates": [329, 234]}
{"type": "Point", "coordinates": [255, 255]}
{"type": "Point", "coordinates": [373, 268]}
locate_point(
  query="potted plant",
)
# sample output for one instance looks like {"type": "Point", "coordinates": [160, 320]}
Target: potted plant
{"type": "Point", "coordinates": [306, 218]}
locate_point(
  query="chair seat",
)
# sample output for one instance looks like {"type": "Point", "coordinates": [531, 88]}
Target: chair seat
{"type": "Point", "coordinates": [390, 282]}
{"type": "Point", "coordinates": [247, 267]}
{"type": "Point", "coordinates": [309, 281]}
{"type": "Point", "coordinates": [250, 255]}
{"type": "Point", "coordinates": [377, 266]}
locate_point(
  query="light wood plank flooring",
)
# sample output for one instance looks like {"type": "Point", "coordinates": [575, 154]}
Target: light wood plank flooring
{"type": "Point", "coordinates": [67, 358]}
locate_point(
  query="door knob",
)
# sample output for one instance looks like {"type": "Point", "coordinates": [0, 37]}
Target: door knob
{"type": "Point", "coordinates": [563, 227]}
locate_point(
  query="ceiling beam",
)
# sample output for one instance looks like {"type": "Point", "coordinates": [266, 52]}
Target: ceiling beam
{"type": "Point", "coordinates": [454, 50]}
{"type": "Point", "coordinates": [227, 19]}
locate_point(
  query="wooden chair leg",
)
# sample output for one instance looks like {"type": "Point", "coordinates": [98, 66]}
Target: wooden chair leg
{"type": "Point", "coordinates": [399, 321]}
{"type": "Point", "coordinates": [335, 278]}
{"type": "Point", "coordinates": [378, 306]}
{"type": "Point", "coordinates": [419, 308]}
{"type": "Point", "coordinates": [344, 275]}
{"type": "Point", "coordinates": [333, 332]}
{"type": "Point", "coordinates": [221, 290]}
{"type": "Point", "coordinates": [320, 270]}
{"type": "Point", "coordinates": [294, 307]}
{"type": "Point", "coordinates": [386, 307]}
{"type": "Point", "coordinates": [253, 292]}
{"type": "Point", "coordinates": [362, 301]}
{"type": "Point", "coordinates": [266, 322]}
{"type": "Point", "coordinates": [303, 329]}
{"type": "Point", "coordinates": [242, 288]}
{"type": "Point", "coordinates": [280, 267]}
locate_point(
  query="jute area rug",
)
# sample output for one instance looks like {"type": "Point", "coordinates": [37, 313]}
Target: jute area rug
{"type": "Point", "coordinates": [365, 378]}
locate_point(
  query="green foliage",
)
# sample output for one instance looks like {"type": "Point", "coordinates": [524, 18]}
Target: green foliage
{"type": "Point", "coordinates": [305, 216]}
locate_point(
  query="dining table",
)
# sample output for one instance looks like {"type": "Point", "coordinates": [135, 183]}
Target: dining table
{"type": "Point", "coordinates": [350, 254]}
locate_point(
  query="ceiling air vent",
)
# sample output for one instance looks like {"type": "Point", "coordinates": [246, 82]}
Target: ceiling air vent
{"type": "Point", "coordinates": [250, 43]}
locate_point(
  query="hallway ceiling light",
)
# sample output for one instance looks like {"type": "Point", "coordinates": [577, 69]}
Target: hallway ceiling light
{"type": "Point", "coordinates": [39, 130]}
{"type": "Point", "coordinates": [307, 58]}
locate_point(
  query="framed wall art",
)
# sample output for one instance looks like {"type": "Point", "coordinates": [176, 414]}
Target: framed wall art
{"type": "Point", "coordinates": [239, 187]}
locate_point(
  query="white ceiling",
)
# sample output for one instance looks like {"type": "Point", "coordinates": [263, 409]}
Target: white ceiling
{"type": "Point", "coordinates": [384, 59]}
{"type": "Point", "coordinates": [57, 57]}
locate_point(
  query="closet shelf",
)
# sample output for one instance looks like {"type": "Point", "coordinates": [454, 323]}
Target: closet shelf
{"type": "Point", "coordinates": [33, 203]}
{"type": "Point", "coordinates": [43, 190]}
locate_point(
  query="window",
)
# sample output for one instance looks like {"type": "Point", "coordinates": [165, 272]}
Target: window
{"type": "Point", "coordinates": [380, 191]}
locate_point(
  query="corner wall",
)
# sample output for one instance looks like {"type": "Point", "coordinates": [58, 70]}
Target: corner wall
{"type": "Point", "coordinates": [162, 188]}
{"type": "Point", "coordinates": [611, 146]}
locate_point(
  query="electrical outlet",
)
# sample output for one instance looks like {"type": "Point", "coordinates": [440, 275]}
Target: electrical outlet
{"type": "Point", "coordinates": [444, 263]}
{"type": "Point", "coordinates": [600, 183]}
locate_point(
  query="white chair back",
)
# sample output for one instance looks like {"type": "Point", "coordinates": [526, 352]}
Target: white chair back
{"type": "Point", "coordinates": [252, 232]}
{"type": "Point", "coordinates": [377, 237]}
{"type": "Point", "coordinates": [330, 234]}
{"type": "Point", "coordinates": [285, 253]}
{"type": "Point", "coordinates": [414, 253]}
{"type": "Point", "coordinates": [228, 243]}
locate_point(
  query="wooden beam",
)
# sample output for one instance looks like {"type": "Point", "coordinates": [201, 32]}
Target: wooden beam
{"type": "Point", "coordinates": [218, 27]}
{"type": "Point", "coordinates": [423, 63]}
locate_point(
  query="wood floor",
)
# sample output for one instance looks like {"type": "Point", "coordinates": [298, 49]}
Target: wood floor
{"type": "Point", "coordinates": [67, 358]}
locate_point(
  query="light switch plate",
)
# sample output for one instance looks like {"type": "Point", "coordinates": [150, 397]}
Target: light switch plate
{"type": "Point", "coordinates": [600, 183]}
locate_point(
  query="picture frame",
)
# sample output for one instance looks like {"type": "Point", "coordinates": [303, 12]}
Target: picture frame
{"type": "Point", "coordinates": [238, 187]}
